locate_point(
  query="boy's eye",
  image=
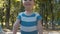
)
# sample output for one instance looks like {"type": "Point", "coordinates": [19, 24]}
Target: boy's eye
{"type": "Point", "coordinates": [30, 0]}
{"type": "Point", "coordinates": [25, 0]}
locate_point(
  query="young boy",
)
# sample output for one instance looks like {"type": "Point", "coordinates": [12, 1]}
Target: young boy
{"type": "Point", "coordinates": [30, 22]}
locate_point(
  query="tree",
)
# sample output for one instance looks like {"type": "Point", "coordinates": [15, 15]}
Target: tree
{"type": "Point", "coordinates": [8, 12]}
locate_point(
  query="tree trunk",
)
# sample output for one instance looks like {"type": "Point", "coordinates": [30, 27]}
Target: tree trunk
{"type": "Point", "coordinates": [7, 13]}
{"type": "Point", "coordinates": [51, 7]}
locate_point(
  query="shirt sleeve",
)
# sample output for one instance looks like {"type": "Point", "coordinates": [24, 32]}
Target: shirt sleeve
{"type": "Point", "coordinates": [39, 17]}
{"type": "Point", "coordinates": [19, 17]}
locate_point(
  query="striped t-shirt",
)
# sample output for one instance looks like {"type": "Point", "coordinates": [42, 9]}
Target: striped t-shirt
{"type": "Point", "coordinates": [28, 23]}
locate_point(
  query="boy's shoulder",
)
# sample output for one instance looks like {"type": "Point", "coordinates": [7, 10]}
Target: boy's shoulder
{"type": "Point", "coordinates": [20, 13]}
{"type": "Point", "coordinates": [37, 13]}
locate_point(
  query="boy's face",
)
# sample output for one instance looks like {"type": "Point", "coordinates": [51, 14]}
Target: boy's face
{"type": "Point", "coordinates": [28, 3]}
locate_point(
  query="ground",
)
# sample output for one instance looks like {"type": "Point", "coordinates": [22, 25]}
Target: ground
{"type": "Point", "coordinates": [46, 32]}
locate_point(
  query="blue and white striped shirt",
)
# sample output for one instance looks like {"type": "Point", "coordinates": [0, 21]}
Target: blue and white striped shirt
{"type": "Point", "coordinates": [29, 22]}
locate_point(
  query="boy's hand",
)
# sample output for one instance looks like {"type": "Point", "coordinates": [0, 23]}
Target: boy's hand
{"type": "Point", "coordinates": [15, 26]}
{"type": "Point", "coordinates": [40, 28]}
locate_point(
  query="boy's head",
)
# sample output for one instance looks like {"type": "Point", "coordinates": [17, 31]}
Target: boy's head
{"type": "Point", "coordinates": [28, 3]}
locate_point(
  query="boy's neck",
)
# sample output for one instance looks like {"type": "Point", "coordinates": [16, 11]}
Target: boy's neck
{"type": "Point", "coordinates": [29, 11]}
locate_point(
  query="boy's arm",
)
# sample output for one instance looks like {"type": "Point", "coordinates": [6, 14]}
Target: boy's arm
{"type": "Point", "coordinates": [15, 26]}
{"type": "Point", "coordinates": [40, 27]}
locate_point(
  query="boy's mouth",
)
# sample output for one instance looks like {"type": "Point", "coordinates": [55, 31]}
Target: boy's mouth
{"type": "Point", "coordinates": [27, 4]}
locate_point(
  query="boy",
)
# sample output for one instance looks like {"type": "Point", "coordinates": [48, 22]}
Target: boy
{"type": "Point", "coordinates": [30, 22]}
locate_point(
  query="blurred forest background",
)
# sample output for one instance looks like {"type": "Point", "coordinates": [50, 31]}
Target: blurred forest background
{"type": "Point", "coordinates": [48, 9]}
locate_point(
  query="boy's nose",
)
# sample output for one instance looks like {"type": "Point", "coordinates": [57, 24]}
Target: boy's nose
{"type": "Point", "coordinates": [27, 1]}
